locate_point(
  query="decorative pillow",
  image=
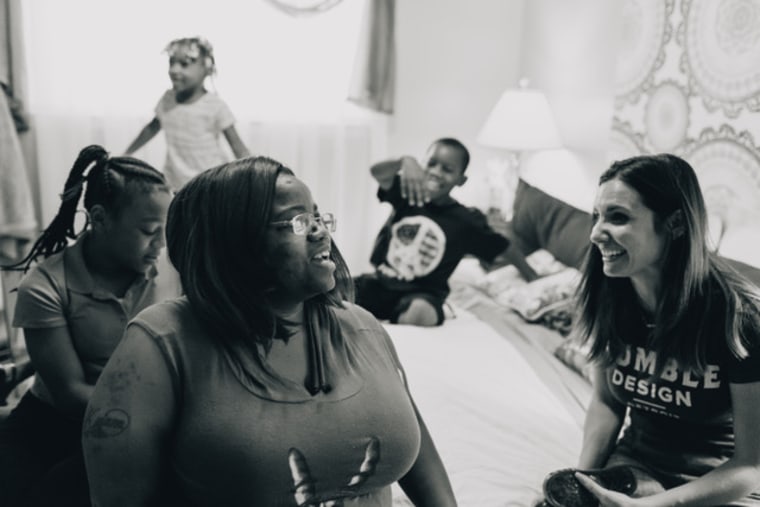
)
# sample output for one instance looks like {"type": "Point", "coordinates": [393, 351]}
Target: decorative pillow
{"type": "Point", "coordinates": [545, 294]}
{"type": "Point", "coordinates": [575, 356]}
{"type": "Point", "coordinates": [508, 278]}
{"type": "Point", "coordinates": [543, 221]}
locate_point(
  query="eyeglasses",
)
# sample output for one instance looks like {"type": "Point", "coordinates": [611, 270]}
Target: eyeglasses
{"type": "Point", "coordinates": [305, 222]}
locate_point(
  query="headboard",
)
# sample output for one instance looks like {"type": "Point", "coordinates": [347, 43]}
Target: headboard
{"type": "Point", "coordinates": [728, 167]}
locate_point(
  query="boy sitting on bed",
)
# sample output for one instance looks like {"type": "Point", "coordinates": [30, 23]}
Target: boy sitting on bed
{"type": "Point", "coordinates": [425, 237]}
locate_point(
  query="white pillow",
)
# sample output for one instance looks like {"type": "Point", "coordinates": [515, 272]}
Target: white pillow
{"type": "Point", "coordinates": [506, 278]}
{"type": "Point", "coordinates": [540, 296]}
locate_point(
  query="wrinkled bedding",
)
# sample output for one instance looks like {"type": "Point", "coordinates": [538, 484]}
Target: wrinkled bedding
{"type": "Point", "coordinates": [502, 410]}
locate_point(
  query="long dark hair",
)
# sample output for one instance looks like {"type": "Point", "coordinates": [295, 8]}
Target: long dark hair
{"type": "Point", "coordinates": [700, 293]}
{"type": "Point", "coordinates": [110, 182]}
{"type": "Point", "coordinates": [220, 256]}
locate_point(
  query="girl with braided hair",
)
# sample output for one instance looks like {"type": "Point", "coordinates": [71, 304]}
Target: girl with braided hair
{"type": "Point", "coordinates": [192, 117]}
{"type": "Point", "coordinates": [73, 307]}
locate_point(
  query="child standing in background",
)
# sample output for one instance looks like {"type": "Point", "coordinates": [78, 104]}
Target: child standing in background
{"type": "Point", "coordinates": [191, 116]}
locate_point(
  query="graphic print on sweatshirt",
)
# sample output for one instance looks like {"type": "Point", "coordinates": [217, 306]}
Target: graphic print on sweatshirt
{"type": "Point", "coordinates": [416, 247]}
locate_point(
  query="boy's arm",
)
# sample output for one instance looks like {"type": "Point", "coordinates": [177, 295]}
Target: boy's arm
{"type": "Point", "coordinates": [145, 135]}
{"type": "Point", "coordinates": [515, 257]}
{"type": "Point", "coordinates": [412, 177]}
{"type": "Point", "coordinates": [512, 254]}
{"type": "Point", "coordinates": [238, 147]}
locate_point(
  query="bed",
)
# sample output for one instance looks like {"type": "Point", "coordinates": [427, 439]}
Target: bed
{"type": "Point", "coordinates": [503, 384]}
{"type": "Point", "coordinates": [493, 402]}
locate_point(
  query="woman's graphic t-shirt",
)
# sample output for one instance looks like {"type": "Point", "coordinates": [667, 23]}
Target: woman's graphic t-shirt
{"type": "Point", "coordinates": [679, 413]}
{"type": "Point", "coordinates": [266, 441]}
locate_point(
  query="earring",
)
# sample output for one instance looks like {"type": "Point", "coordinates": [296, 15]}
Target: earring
{"type": "Point", "coordinates": [86, 221]}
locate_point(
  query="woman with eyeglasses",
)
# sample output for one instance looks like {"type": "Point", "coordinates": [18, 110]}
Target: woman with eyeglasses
{"type": "Point", "coordinates": [262, 385]}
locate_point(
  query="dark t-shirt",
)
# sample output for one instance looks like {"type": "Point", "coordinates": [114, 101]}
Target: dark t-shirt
{"type": "Point", "coordinates": [419, 247]}
{"type": "Point", "coordinates": [680, 414]}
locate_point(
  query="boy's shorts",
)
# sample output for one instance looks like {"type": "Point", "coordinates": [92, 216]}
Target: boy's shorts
{"type": "Point", "coordinates": [386, 303]}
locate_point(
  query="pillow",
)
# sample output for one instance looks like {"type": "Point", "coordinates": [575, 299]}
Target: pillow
{"type": "Point", "coordinates": [507, 278]}
{"type": "Point", "coordinates": [575, 356]}
{"type": "Point", "coordinates": [549, 293]}
{"type": "Point", "coordinates": [543, 221]}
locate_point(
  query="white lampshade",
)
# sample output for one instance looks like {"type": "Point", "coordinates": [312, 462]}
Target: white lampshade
{"type": "Point", "coordinates": [522, 120]}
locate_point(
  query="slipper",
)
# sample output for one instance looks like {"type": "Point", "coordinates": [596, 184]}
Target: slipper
{"type": "Point", "coordinates": [562, 489]}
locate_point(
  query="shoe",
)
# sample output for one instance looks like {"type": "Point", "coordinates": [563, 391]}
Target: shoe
{"type": "Point", "coordinates": [562, 489]}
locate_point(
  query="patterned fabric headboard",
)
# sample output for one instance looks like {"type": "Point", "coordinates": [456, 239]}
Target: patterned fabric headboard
{"type": "Point", "coordinates": [688, 83]}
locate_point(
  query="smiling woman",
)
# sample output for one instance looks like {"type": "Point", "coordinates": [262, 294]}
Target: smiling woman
{"type": "Point", "coordinates": [674, 333]}
{"type": "Point", "coordinates": [264, 384]}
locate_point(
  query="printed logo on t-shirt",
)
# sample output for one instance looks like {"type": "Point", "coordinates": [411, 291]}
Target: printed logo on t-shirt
{"type": "Point", "coordinates": [674, 394]}
{"type": "Point", "coordinates": [415, 249]}
{"type": "Point", "coordinates": [306, 493]}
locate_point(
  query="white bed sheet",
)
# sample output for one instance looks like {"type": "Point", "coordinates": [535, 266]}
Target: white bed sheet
{"type": "Point", "coordinates": [498, 427]}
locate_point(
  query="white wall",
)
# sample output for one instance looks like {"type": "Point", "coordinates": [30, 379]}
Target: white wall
{"type": "Point", "coordinates": [569, 52]}
{"type": "Point", "coordinates": [454, 59]}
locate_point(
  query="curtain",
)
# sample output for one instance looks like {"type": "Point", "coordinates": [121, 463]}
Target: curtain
{"type": "Point", "coordinates": [17, 216]}
{"type": "Point", "coordinates": [373, 80]}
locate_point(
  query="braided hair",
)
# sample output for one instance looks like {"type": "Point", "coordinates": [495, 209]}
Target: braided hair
{"type": "Point", "coordinates": [198, 48]}
{"type": "Point", "coordinates": [110, 182]}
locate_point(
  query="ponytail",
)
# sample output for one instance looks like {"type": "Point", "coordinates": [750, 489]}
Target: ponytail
{"type": "Point", "coordinates": [102, 188]}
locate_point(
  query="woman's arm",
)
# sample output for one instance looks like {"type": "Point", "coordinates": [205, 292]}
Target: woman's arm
{"type": "Point", "coordinates": [146, 134]}
{"type": "Point", "coordinates": [427, 483]}
{"type": "Point", "coordinates": [601, 428]}
{"type": "Point", "coordinates": [734, 479]}
{"type": "Point", "coordinates": [237, 145]}
{"type": "Point", "coordinates": [126, 427]}
{"type": "Point", "coordinates": [52, 354]}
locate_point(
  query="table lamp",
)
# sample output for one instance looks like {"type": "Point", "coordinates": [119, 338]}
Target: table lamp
{"type": "Point", "coordinates": [520, 121]}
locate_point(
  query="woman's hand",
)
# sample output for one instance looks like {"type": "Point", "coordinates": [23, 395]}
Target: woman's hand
{"type": "Point", "coordinates": [606, 497]}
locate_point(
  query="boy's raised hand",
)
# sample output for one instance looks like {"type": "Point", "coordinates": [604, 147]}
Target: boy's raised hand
{"type": "Point", "coordinates": [412, 179]}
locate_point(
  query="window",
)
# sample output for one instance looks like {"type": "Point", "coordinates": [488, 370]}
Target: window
{"type": "Point", "coordinates": [105, 57]}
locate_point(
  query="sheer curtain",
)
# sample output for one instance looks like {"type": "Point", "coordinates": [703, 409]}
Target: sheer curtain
{"type": "Point", "coordinates": [96, 70]}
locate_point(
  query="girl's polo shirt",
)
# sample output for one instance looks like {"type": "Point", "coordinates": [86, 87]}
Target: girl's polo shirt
{"type": "Point", "coordinates": [61, 292]}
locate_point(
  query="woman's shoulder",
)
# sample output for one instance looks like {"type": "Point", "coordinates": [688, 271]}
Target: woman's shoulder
{"type": "Point", "coordinates": [167, 317]}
